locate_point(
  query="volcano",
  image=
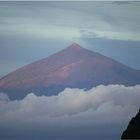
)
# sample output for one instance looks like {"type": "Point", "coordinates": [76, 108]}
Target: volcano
{"type": "Point", "coordinates": [73, 67]}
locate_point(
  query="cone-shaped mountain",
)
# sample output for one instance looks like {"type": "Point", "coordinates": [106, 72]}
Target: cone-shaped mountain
{"type": "Point", "coordinates": [73, 67]}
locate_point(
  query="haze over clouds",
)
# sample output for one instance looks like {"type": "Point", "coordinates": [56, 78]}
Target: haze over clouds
{"type": "Point", "coordinates": [102, 112]}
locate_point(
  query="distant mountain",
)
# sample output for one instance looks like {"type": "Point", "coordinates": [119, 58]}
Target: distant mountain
{"type": "Point", "coordinates": [133, 129]}
{"type": "Point", "coordinates": [73, 67]}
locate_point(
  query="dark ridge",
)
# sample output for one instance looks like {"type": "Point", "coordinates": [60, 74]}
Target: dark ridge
{"type": "Point", "coordinates": [133, 129]}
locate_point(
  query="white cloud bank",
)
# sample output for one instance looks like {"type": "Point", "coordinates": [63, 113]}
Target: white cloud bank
{"type": "Point", "coordinates": [99, 113]}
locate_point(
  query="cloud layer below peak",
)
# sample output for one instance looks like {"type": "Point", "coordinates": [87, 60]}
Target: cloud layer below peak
{"type": "Point", "coordinates": [102, 112]}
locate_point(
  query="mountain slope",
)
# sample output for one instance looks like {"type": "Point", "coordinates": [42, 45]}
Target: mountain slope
{"type": "Point", "coordinates": [74, 67]}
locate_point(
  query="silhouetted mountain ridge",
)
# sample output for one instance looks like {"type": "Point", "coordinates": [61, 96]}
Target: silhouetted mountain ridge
{"type": "Point", "coordinates": [133, 129]}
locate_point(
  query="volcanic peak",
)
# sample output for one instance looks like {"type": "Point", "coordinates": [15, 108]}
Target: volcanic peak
{"type": "Point", "coordinates": [75, 46]}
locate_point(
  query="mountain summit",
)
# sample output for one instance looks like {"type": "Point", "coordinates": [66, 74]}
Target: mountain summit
{"type": "Point", "coordinates": [75, 46]}
{"type": "Point", "coordinates": [73, 67]}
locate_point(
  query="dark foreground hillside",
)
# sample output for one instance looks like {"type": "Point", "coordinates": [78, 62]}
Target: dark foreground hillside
{"type": "Point", "coordinates": [133, 129]}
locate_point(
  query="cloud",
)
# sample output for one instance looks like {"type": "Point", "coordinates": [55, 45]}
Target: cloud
{"type": "Point", "coordinates": [99, 113]}
{"type": "Point", "coordinates": [63, 20]}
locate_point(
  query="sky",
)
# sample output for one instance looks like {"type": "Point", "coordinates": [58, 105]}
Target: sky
{"type": "Point", "coordinates": [102, 112]}
{"type": "Point", "coordinates": [30, 31]}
